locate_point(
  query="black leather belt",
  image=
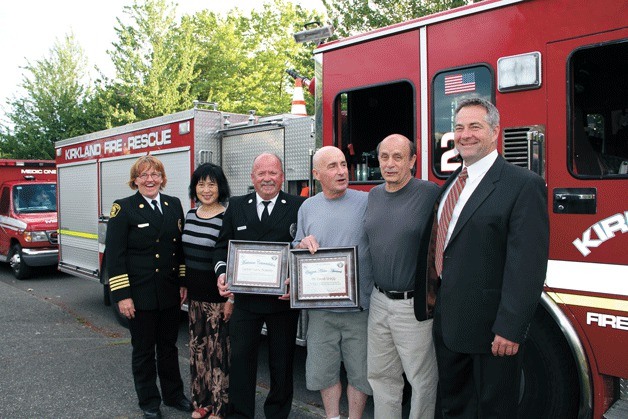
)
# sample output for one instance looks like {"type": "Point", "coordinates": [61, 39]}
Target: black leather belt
{"type": "Point", "coordinates": [395, 295]}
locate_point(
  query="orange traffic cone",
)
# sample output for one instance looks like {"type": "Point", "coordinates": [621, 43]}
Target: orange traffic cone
{"type": "Point", "coordinates": [298, 102]}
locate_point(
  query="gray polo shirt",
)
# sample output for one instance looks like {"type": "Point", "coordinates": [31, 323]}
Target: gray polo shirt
{"type": "Point", "coordinates": [394, 223]}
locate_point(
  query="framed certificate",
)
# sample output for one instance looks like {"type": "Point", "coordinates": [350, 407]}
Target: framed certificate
{"type": "Point", "coordinates": [257, 267]}
{"type": "Point", "coordinates": [325, 279]}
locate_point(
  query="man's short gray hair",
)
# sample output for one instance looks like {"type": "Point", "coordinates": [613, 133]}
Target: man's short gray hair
{"type": "Point", "coordinates": [492, 114]}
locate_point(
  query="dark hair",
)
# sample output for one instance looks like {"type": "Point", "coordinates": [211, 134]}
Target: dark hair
{"type": "Point", "coordinates": [215, 174]}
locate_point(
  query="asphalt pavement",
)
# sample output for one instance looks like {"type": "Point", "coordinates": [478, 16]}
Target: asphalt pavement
{"type": "Point", "coordinates": [56, 361]}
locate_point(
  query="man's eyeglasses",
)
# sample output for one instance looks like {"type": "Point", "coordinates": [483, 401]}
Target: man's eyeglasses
{"type": "Point", "coordinates": [154, 176]}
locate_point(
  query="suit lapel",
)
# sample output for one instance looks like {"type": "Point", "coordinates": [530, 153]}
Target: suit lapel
{"type": "Point", "coordinates": [168, 213]}
{"type": "Point", "coordinates": [484, 189]}
{"type": "Point", "coordinates": [250, 211]}
{"type": "Point", "coordinates": [279, 210]}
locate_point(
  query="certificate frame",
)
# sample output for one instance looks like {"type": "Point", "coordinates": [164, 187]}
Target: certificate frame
{"type": "Point", "coordinates": [325, 279]}
{"type": "Point", "coordinates": [257, 267]}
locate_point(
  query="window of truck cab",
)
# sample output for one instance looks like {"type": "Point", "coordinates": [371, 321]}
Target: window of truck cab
{"type": "Point", "coordinates": [598, 107]}
{"type": "Point", "coordinates": [363, 117]}
{"type": "Point", "coordinates": [449, 87]}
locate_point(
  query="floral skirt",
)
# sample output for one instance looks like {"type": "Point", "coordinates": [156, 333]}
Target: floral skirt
{"type": "Point", "coordinates": [209, 357]}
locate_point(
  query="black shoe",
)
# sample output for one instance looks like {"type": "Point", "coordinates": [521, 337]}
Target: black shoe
{"type": "Point", "coordinates": [152, 413]}
{"type": "Point", "coordinates": [183, 404]}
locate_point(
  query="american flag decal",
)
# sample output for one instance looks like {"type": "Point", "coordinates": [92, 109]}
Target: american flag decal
{"type": "Point", "coordinates": [458, 83]}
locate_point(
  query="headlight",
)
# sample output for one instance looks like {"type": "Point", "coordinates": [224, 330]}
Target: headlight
{"type": "Point", "coordinates": [35, 236]}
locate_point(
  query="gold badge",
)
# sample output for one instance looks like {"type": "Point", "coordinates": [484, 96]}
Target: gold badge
{"type": "Point", "coordinates": [141, 205]}
{"type": "Point", "coordinates": [166, 203]}
{"type": "Point", "coordinates": [115, 209]}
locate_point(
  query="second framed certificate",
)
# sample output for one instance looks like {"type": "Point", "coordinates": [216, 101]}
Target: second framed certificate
{"type": "Point", "coordinates": [257, 267]}
{"type": "Point", "coordinates": [326, 279]}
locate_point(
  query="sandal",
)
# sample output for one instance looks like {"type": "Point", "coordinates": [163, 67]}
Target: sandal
{"type": "Point", "coordinates": [200, 413]}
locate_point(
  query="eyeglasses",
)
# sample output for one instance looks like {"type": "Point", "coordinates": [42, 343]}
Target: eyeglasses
{"type": "Point", "coordinates": [153, 176]}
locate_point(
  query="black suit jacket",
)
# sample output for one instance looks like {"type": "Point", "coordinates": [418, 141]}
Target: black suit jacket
{"type": "Point", "coordinates": [143, 252]}
{"type": "Point", "coordinates": [242, 223]}
{"type": "Point", "coordinates": [495, 262]}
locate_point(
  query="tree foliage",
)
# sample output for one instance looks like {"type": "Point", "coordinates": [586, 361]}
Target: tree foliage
{"type": "Point", "coordinates": [154, 58]}
{"type": "Point", "coordinates": [350, 17]}
{"type": "Point", "coordinates": [162, 64]}
{"type": "Point", "coordinates": [243, 58]}
{"type": "Point", "coordinates": [52, 106]}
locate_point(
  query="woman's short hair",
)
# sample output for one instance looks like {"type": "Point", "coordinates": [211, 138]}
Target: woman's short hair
{"type": "Point", "coordinates": [147, 162]}
{"type": "Point", "coordinates": [214, 173]}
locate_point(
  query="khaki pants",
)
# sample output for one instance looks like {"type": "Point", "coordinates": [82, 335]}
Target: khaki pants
{"type": "Point", "coordinates": [398, 343]}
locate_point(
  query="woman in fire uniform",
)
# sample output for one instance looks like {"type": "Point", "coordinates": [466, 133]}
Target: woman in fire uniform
{"type": "Point", "coordinates": [144, 259]}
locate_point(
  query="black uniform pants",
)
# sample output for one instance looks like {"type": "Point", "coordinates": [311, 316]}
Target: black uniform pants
{"type": "Point", "coordinates": [244, 330]}
{"type": "Point", "coordinates": [154, 340]}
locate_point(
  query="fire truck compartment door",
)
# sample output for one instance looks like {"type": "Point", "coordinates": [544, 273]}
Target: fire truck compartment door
{"type": "Point", "coordinates": [78, 221]}
{"type": "Point", "coordinates": [114, 178]}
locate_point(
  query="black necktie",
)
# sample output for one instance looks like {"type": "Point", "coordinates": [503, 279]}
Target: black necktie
{"type": "Point", "coordinates": [156, 207]}
{"type": "Point", "coordinates": [265, 213]}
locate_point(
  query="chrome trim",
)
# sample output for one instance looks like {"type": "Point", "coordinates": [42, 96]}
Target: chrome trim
{"type": "Point", "coordinates": [585, 410]}
{"type": "Point", "coordinates": [536, 152]}
{"type": "Point", "coordinates": [39, 252]}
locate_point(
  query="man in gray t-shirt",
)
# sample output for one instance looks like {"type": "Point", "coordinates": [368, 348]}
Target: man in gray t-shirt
{"type": "Point", "coordinates": [335, 218]}
{"type": "Point", "coordinates": [396, 217]}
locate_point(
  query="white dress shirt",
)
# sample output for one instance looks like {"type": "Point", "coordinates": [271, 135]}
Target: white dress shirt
{"type": "Point", "coordinates": [150, 201]}
{"type": "Point", "coordinates": [260, 205]}
{"type": "Point", "coordinates": [476, 173]}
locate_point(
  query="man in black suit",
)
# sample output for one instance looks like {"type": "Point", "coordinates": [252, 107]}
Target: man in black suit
{"type": "Point", "coordinates": [268, 214]}
{"type": "Point", "coordinates": [144, 259]}
{"type": "Point", "coordinates": [490, 260]}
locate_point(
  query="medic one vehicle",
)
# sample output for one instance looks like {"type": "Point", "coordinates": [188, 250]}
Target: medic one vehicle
{"type": "Point", "coordinates": [28, 214]}
{"type": "Point", "coordinates": [557, 71]}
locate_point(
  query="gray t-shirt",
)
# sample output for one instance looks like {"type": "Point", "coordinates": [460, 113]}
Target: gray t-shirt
{"type": "Point", "coordinates": [338, 223]}
{"type": "Point", "coordinates": [394, 224]}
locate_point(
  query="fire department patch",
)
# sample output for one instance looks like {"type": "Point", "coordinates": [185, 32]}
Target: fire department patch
{"type": "Point", "coordinates": [115, 209]}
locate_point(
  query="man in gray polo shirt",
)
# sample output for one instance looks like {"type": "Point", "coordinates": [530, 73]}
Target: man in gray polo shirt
{"type": "Point", "coordinates": [335, 218]}
{"type": "Point", "coordinates": [396, 216]}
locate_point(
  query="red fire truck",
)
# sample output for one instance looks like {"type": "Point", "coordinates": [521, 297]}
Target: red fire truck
{"type": "Point", "coordinates": [28, 214]}
{"type": "Point", "coordinates": [94, 170]}
{"type": "Point", "coordinates": [557, 71]}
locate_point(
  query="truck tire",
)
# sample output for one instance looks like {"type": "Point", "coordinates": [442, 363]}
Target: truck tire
{"type": "Point", "coordinates": [20, 269]}
{"type": "Point", "coordinates": [549, 381]}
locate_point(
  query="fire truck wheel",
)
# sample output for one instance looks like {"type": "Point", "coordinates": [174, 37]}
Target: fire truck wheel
{"type": "Point", "coordinates": [20, 269]}
{"type": "Point", "coordinates": [549, 381]}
